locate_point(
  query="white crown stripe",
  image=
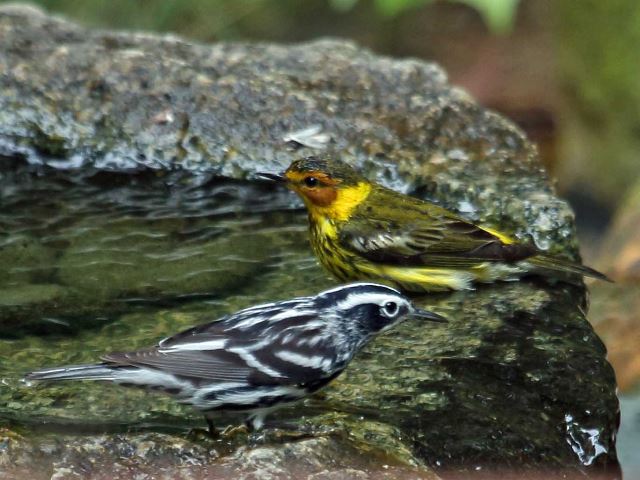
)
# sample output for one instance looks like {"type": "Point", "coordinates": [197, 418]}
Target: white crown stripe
{"type": "Point", "coordinates": [354, 286]}
{"type": "Point", "coordinates": [356, 299]}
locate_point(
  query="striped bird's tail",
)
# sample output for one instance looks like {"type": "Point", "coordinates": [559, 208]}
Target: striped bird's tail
{"type": "Point", "coordinates": [551, 264]}
{"type": "Point", "coordinates": [98, 371]}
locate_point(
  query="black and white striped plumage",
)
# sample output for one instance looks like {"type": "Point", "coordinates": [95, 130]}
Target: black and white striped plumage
{"type": "Point", "coordinates": [259, 358]}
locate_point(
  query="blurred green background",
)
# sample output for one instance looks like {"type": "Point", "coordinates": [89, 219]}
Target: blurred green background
{"type": "Point", "coordinates": [567, 72]}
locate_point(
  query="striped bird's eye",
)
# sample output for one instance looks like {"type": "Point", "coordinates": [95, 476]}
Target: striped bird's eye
{"type": "Point", "coordinates": [311, 182]}
{"type": "Point", "coordinates": [390, 309]}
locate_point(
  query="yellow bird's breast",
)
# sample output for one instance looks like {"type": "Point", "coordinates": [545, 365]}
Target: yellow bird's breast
{"type": "Point", "coordinates": [341, 209]}
{"type": "Point", "coordinates": [324, 235]}
{"type": "Point", "coordinates": [325, 225]}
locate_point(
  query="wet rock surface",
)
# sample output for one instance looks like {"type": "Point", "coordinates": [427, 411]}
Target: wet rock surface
{"type": "Point", "coordinates": [149, 455]}
{"type": "Point", "coordinates": [128, 214]}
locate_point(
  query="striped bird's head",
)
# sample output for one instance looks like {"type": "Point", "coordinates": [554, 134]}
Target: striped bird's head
{"type": "Point", "coordinates": [371, 307]}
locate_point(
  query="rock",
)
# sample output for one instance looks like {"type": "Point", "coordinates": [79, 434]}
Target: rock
{"type": "Point", "coordinates": [149, 455]}
{"type": "Point", "coordinates": [31, 300]}
{"type": "Point", "coordinates": [138, 149]}
{"type": "Point", "coordinates": [72, 97]}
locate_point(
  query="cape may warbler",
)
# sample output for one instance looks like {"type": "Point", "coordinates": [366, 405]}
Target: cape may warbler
{"type": "Point", "coordinates": [362, 230]}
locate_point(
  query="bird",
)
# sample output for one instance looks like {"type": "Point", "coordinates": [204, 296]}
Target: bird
{"type": "Point", "coordinates": [360, 230]}
{"type": "Point", "coordinates": [258, 359]}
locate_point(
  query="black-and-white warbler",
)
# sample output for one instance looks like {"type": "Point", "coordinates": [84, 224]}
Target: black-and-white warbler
{"type": "Point", "coordinates": [260, 358]}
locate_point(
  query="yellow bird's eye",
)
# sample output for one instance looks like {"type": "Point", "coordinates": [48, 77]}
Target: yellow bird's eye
{"type": "Point", "coordinates": [311, 182]}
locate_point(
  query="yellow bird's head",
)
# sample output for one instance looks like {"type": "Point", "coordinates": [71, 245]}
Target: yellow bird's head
{"type": "Point", "coordinates": [328, 187]}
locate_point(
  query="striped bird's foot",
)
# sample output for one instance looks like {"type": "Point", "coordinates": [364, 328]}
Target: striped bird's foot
{"type": "Point", "coordinates": [282, 432]}
{"type": "Point", "coordinates": [232, 431]}
{"type": "Point", "coordinates": [202, 434]}
{"type": "Point", "coordinates": [211, 432]}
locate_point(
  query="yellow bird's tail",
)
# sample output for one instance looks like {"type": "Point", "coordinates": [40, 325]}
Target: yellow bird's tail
{"type": "Point", "coordinates": [553, 264]}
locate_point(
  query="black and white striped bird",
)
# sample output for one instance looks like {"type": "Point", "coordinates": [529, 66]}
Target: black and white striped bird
{"type": "Point", "coordinates": [260, 358]}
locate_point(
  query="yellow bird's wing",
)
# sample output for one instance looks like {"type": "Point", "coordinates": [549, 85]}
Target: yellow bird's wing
{"type": "Point", "coordinates": [402, 230]}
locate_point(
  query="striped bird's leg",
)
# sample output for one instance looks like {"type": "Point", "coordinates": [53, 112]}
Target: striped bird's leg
{"type": "Point", "coordinates": [213, 433]}
{"type": "Point", "coordinates": [255, 420]}
{"type": "Point", "coordinates": [256, 417]}
{"type": "Point", "coordinates": [201, 433]}
{"type": "Point", "coordinates": [279, 430]}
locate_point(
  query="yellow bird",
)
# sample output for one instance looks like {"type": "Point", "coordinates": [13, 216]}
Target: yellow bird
{"type": "Point", "coordinates": [363, 231]}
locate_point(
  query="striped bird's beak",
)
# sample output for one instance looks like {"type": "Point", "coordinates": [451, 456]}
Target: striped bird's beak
{"type": "Point", "coordinates": [427, 315]}
{"type": "Point", "coordinates": [273, 176]}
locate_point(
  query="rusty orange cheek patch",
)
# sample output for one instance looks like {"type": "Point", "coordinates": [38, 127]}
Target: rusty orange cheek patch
{"type": "Point", "coordinates": [322, 197]}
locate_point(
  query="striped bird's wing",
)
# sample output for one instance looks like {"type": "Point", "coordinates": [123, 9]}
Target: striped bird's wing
{"type": "Point", "coordinates": [210, 365]}
{"type": "Point", "coordinates": [242, 324]}
{"type": "Point", "coordinates": [408, 231]}
{"type": "Point", "coordinates": [274, 344]}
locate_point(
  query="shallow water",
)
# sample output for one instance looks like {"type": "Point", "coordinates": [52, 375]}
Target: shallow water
{"type": "Point", "coordinates": [98, 262]}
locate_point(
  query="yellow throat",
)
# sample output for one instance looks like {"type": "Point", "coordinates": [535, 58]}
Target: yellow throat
{"type": "Point", "coordinates": [347, 199]}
